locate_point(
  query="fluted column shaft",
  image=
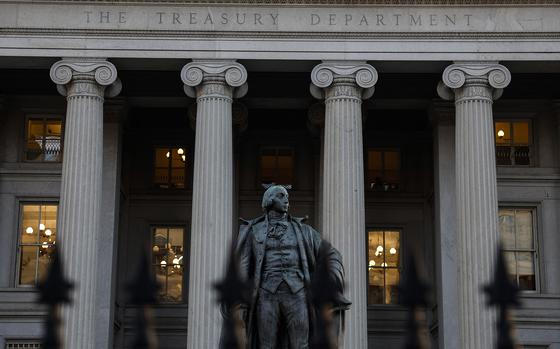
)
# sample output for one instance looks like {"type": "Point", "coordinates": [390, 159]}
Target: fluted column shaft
{"type": "Point", "coordinates": [212, 221]}
{"type": "Point", "coordinates": [344, 84]}
{"type": "Point", "coordinates": [474, 87]}
{"type": "Point", "coordinates": [84, 83]}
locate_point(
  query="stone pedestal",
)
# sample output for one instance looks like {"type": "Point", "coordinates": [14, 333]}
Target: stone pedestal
{"type": "Point", "coordinates": [85, 83]}
{"type": "Point", "coordinates": [474, 86]}
{"type": "Point", "coordinates": [214, 84]}
{"type": "Point", "coordinates": [343, 85]}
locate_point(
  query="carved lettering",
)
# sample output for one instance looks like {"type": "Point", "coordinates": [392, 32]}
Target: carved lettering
{"type": "Point", "coordinates": [193, 18]}
{"type": "Point", "coordinates": [415, 20]}
{"type": "Point", "coordinates": [364, 20]}
{"type": "Point", "coordinates": [397, 16]}
{"type": "Point", "coordinates": [468, 17]}
{"type": "Point", "coordinates": [348, 18]}
{"type": "Point", "coordinates": [239, 20]}
{"type": "Point", "coordinates": [88, 13]}
{"type": "Point", "coordinates": [209, 19]}
{"type": "Point", "coordinates": [433, 19]}
{"type": "Point", "coordinates": [274, 18]}
{"type": "Point", "coordinates": [122, 17]}
{"type": "Point", "coordinates": [176, 18]}
{"type": "Point", "coordinates": [258, 19]}
{"type": "Point", "coordinates": [225, 19]}
{"type": "Point", "coordinates": [450, 19]}
{"type": "Point", "coordinates": [380, 20]}
{"type": "Point", "coordinates": [104, 17]}
{"type": "Point", "coordinates": [332, 19]}
{"type": "Point", "coordinates": [160, 14]}
{"type": "Point", "coordinates": [315, 19]}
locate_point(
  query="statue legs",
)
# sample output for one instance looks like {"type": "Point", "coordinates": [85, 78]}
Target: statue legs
{"type": "Point", "coordinates": [282, 313]}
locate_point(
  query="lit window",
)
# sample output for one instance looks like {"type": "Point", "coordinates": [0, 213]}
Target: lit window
{"type": "Point", "coordinates": [43, 139]}
{"type": "Point", "coordinates": [277, 166]}
{"type": "Point", "coordinates": [384, 252]}
{"type": "Point", "coordinates": [518, 243]}
{"type": "Point", "coordinates": [384, 169]}
{"type": "Point", "coordinates": [513, 143]}
{"type": "Point", "coordinates": [36, 241]}
{"type": "Point", "coordinates": [168, 259]}
{"type": "Point", "coordinates": [169, 171]}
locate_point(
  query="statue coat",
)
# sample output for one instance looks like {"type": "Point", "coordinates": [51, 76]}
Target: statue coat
{"type": "Point", "coordinates": [250, 249]}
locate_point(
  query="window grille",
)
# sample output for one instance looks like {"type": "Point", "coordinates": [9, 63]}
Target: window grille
{"type": "Point", "coordinates": [22, 344]}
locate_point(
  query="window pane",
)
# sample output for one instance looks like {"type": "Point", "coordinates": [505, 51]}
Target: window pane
{"type": "Point", "coordinates": [392, 248]}
{"type": "Point", "coordinates": [376, 286]}
{"type": "Point", "coordinates": [392, 160]}
{"type": "Point", "coordinates": [524, 229]}
{"type": "Point", "coordinates": [45, 258]}
{"type": "Point", "coordinates": [161, 176]}
{"type": "Point", "coordinates": [503, 133]}
{"type": "Point", "coordinates": [522, 155]}
{"type": "Point", "coordinates": [177, 157]}
{"type": "Point", "coordinates": [526, 270]}
{"type": "Point", "coordinates": [392, 280]}
{"type": "Point", "coordinates": [375, 160]}
{"type": "Point", "coordinates": [511, 265]}
{"type": "Point", "coordinates": [28, 265]}
{"type": "Point", "coordinates": [48, 219]}
{"type": "Point", "coordinates": [35, 136]}
{"type": "Point", "coordinates": [52, 143]}
{"type": "Point", "coordinates": [506, 225]}
{"type": "Point", "coordinates": [521, 132]}
{"type": "Point", "coordinates": [168, 257]}
{"type": "Point", "coordinates": [375, 248]}
{"type": "Point", "coordinates": [178, 177]}
{"type": "Point", "coordinates": [162, 157]}
{"type": "Point", "coordinates": [30, 224]}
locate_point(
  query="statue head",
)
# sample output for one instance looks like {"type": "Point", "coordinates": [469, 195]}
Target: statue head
{"type": "Point", "coordinates": [275, 198]}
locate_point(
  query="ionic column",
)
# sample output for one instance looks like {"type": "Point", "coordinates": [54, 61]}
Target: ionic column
{"type": "Point", "coordinates": [343, 85]}
{"type": "Point", "coordinates": [474, 86]}
{"type": "Point", "coordinates": [214, 83]}
{"type": "Point", "coordinates": [84, 82]}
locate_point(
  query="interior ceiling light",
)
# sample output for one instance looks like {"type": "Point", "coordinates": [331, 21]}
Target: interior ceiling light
{"type": "Point", "coordinates": [48, 232]}
{"type": "Point", "coordinates": [41, 227]}
{"type": "Point", "coordinates": [167, 155]}
{"type": "Point", "coordinates": [393, 250]}
{"type": "Point", "coordinates": [29, 230]}
{"type": "Point", "coordinates": [180, 151]}
{"type": "Point", "coordinates": [501, 133]}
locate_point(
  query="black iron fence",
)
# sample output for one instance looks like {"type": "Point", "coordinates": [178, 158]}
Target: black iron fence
{"type": "Point", "coordinates": [414, 292]}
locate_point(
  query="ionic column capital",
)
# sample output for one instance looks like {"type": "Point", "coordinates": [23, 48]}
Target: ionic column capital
{"type": "Point", "coordinates": [488, 80]}
{"type": "Point", "coordinates": [85, 76]}
{"type": "Point", "coordinates": [343, 78]}
{"type": "Point", "coordinates": [224, 78]}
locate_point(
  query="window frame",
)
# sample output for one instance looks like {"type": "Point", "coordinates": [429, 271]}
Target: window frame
{"type": "Point", "coordinates": [188, 155]}
{"type": "Point", "coordinates": [259, 176]}
{"type": "Point", "coordinates": [19, 226]}
{"type": "Point", "coordinates": [367, 170]}
{"type": "Point", "coordinates": [400, 268]}
{"type": "Point", "coordinates": [535, 209]}
{"type": "Point", "coordinates": [45, 118]}
{"type": "Point", "coordinates": [186, 259]}
{"type": "Point", "coordinates": [531, 145]}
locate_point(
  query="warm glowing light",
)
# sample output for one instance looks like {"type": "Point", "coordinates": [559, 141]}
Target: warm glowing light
{"type": "Point", "coordinates": [371, 263]}
{"type": "Point", "coordinates": [48, 232]}
{"type": "Point", "coordinates": [393, 250]}
{"type": "Point", "coordinates": [175, 260]}
{"type": "Point", "coordinates": [163, 263]}
{"type": "Point", "coordinates": [380, 248]}
{"type": "Point", "coordinates": [184, 157]}
{"type": "Point", "coordinates": [180, 151]}
{"type": "Point", "coordinates": [383, 264]}
{"type": "Point", "coordinates": [501, 133]}
{"type": "Point", "coordinates": [45, 245]}
{"type": "Point", "coordinates": [41, 227]}
{"type": "Point", "coordinates": [167, 155]}
{"type": "Point", "coordinates": [155, 248]}
{"type": "Point", "coordinates": [29, 230]}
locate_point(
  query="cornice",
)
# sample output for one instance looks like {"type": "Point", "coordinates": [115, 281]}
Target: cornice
{"type": "Point", "coordinates": [305, 2]}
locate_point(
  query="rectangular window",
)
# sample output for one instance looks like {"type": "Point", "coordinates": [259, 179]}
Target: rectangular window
{"type": "Point", "coordinates": [168, 253]}
{"type": "Point", "coordinates": [43, 140]}
{"type": "Point", "coordinates": [513, 142]}
{"type": "Point", "coordinates": [277, 166]}
{"type": "Point", "coordinates": [37, 237]}
{"type": "Point", "coordinates": [384, 169]}
{"type": "Point", "coordinates": [517, 232]}
{"type": "Point", "coordinates": [384, 254]}
{"type": "Point", "coordinates": [169, 169]}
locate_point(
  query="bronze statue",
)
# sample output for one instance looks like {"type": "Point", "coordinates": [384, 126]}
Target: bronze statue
{"type": "Point", "coordinates": [279, 254]}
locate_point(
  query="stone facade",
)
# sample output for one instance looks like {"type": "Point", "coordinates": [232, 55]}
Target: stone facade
{"type": "Point", "coordinates": [298, 76]}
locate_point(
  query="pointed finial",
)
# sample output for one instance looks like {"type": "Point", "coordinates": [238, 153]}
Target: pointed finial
{"type": "Point", "coordinates": [413, 293]}
{"type": "Point", "coordinates": [504, 294]}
